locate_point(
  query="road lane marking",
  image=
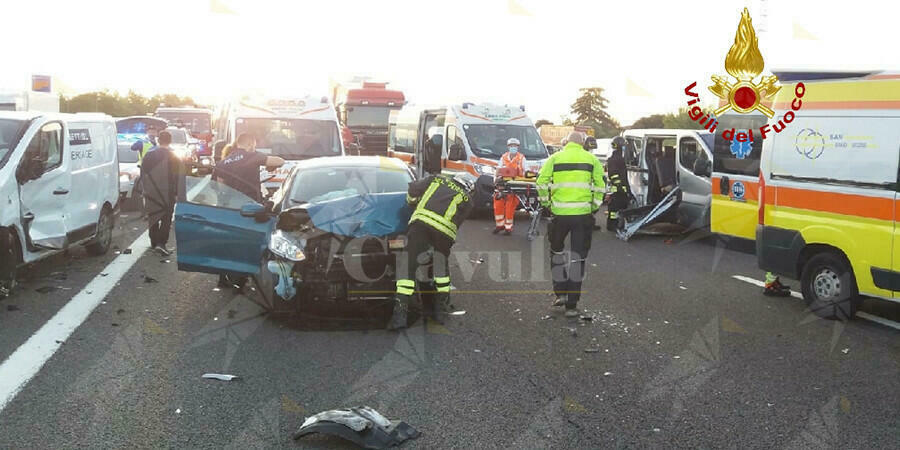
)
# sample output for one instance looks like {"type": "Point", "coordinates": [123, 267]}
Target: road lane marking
{"type": "Point", "coordinates": [860, 314]}
{"type": "Point", "coordinates": [20, 367]}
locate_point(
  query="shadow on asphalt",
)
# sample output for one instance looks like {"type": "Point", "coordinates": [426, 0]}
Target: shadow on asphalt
{"type": "Point", "coordinates": [338, 315]}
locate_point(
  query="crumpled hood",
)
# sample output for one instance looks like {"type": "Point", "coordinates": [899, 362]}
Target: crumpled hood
{"type": "Point", "coordinates": [362, 215]}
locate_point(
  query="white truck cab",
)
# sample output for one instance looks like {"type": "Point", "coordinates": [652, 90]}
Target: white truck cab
{"type": "Point", "coordinates": [58, 186]}
{"type": "Point", "coordinates": [294, 129]}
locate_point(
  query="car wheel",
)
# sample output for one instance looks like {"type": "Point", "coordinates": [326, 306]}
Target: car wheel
{"type": "Point", "coordinates": [101, 242]}
{"type": "Point", "coordinates": [9, 253]}
{"type": "Point", "coordinates": [829, 287]}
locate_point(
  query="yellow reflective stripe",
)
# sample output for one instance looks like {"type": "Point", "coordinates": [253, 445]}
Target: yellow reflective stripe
{"type": "Point", "coordinates": [574, 185]}
{"type": "Point", "coordinates": [437, 218]}
{"type": "Point", "coordinates": [434, 224]}
{"type": "Point", "coordinates": [451, 210]}
{"type": "Point", "coordinates": [557, 204]}
{"type": "Point", "coordinates": [406, 287]}
{"type": "Point", "coordinates": [428, 193]}
{"type": "Point", "coordinates": [442, 279]}
{"type": "Point", "coordinates": [442, 288]}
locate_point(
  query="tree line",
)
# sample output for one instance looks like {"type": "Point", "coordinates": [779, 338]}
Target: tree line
{"type": "Point", "coordinates": [590, 109]}
{"type": "Point", "coordinates": [131, 104]}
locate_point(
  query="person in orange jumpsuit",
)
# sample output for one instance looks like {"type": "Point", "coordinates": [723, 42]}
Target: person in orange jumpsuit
{"type": "Point", "coordinates": [505, 204]}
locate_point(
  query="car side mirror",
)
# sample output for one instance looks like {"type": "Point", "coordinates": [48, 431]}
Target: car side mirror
{"type": "Point", "coordinates": [457, 152]}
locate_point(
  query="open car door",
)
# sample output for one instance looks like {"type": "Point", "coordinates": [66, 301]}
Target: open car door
{"type": "Point", "coordinates": [216, 231]}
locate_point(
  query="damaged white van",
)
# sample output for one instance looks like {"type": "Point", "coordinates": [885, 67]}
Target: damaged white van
{"type": "Point", "coordinates": [58, 186]}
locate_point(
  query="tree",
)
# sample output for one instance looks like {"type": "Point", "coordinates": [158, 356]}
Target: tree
{"type": "Point", "coordinates": [133, 104]}
{"type": "Point", "coordinates": [652, 121]}
{"type": "Point", "coordinates": [681, 119]}
{"type": "Point", "coordinates": [589, 110]}
{"type": "Point", "coordinates": [590, 106]}
{"type": "Point", "coordinates": [542, 122]}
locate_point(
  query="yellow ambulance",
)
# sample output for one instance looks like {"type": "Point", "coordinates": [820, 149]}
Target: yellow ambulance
{"type": "Point", "coordinates": [827, 193]}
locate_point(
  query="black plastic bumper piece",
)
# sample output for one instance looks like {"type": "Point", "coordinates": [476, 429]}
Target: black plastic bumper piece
{"type": "Point", "coordinates": [778, 250]}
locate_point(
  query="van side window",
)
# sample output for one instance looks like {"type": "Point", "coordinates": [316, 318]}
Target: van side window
{"type": "Point", "coordinates": [47, 146]}
{"type": "Point", "coordinates": [688, 152]}
{"type": "Point", "coordinates": [453, 136]}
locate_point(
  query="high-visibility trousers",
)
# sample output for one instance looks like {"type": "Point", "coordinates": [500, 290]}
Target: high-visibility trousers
{"type": "Point", "coordinates": [505, 211]}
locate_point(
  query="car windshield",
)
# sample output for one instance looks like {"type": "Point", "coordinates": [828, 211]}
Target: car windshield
{"type": "Point", "coordinates": [489, 141]}
{"type": "Point", "coordinates": [368, 116]}
{"type": "Point", "coordinates": [10, 133]}
{"type": "Point", "coordinates": [293, 138]}
{"type": "Point", "coordinates": [197, 122]}
{"type": "Point", "coordinates": [330, 183]}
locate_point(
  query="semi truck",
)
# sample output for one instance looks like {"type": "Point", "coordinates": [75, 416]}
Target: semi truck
{"type": "Point", "coordinates": [363, 109]}
{"type": "Point", "coordinates": [29, 101]}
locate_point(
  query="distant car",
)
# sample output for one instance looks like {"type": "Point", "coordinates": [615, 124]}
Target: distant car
{"type": "Point", "coordinates": [330, 231]}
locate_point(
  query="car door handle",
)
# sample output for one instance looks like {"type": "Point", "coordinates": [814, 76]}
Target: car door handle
{"type": "Point", "coordinates": [60, 191]}
{"type": "Point", "coordinates": [193, 217]}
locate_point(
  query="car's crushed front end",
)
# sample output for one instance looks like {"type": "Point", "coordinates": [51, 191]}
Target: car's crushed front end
{"type": "Point", "coordinates": [339, 249]}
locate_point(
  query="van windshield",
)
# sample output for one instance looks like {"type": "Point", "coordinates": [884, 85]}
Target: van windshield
{"type": "Point", "coordinates": [489, 141]}
{"type": "Point", "coordinates": [10, 133]}
{"type": "Point", "coordinates": [196, 121]}
{"type": "Point", "coordinates": [292, 138]}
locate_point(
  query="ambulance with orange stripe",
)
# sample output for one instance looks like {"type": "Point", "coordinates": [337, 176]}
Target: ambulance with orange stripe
{"type": "Point", "coordinates": [827, 193]}
{"type": "Point", "coordinates": [293, 128]}
{"type": "Point", "coordinates": [475, 137]}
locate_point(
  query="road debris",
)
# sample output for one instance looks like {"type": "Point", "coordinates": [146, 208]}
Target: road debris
{"type": "Point", "coordinates": [104, 274]}
{"type": "Point", "coordinates": [845, 351]}
{"type": "Point", "coordinates": [127, 251]}
{"type": "Point", "coordinates": [148, 279]}
{"type": "Point", "coordinates": [606, 374]}
{"type": "Point", "coordinates": [362, 426]}
{"type": "Point", "coordinates": [461, 312]}
{"type": "Point", "coordinates": [178, 411]}
{"type": "Point", "coordinates": [477, 351]}
{"type": "Point", "coordinates": [587, 317]}
{"type": "Point", "coordinates": [592, 350]}
{"type": "Point", "coordinates": [546, 317]}
{"type": "Point", "coordinates": [215, 289]}
{"type": "Point", "coordinates": [47, 289]}
{"type": "Point", "coordinates": [676, 357]}
{"type": "Point", "coordinates": [220, 376]}
{"type": "Point", "coordinates": [572, 331]}
{"type": "Point", "coordinates": [682, 288]}
{"type": "Point", "coordinates": [232, 313]}
{"type": "Point", "coordinates": [164, 261]}
{"type": "Point", "coordinates": [120, 311]}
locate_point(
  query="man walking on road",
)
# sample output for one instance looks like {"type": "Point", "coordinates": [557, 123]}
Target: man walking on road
{"type": "Point", "coordinates": [571, 185]}
{"type": "Point", "coordinates": [160, 170]}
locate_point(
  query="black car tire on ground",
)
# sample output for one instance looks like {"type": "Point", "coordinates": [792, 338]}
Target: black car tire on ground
{"type": "Point", "coordinates": [829, 287]}
{"type": "Point", "coordinates": [101, 242]}
{"type": "Point", "coordinates": [9, 254]}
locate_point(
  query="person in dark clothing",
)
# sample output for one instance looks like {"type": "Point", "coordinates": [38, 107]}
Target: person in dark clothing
{"type": "Point", "coordinates": [441, 205]}
{"type": "Point", "coordinates": [239, 169]}
{"type": "Point", "coordinates": [160, 170]}
{"type": "Point", "coordinates": [620, 191]}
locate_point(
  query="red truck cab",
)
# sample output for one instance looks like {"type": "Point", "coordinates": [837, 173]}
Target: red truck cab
{"type": "Point", "coordinates": [364, 112]}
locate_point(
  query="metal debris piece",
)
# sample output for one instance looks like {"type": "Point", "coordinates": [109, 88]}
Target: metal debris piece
{"type": "Point", "coordinates": [220, 376]}
{"type": "Point", "coordinates": [845, 351]}
{"type": "Point", "coordinates": [148, 279]}
{"type": "Point", "coordinates": [546, 317]}
{"type": "Point", "coordinates": [606, 374]}
{"type": "Point", "coordinates": [518, 310]}
{"type": "Point", "coordinates": [682, 288]}
{"type": "Point", "coordinates": [178, 411]}
{"type": "Point", "coordinates": [215, 289]}
{"type": "Point", "coordinates": [46, 289]}
{"type": "Point", "coordinates": [592, 350]}
{"type": "Point", "coordinates": [164, 261]}
{"type": "Point", "coordinates": [461, 312]}
{"type": "Point", "coordinates": [587, 317]}
{"type": "Point", "coordinates": [362, 426]}
{"type": "Point", "coordinates": [477, 351]}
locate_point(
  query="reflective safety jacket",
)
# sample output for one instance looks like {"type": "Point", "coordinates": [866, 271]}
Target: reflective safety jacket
{"type": "Point", "coordinates": [440, 203]}
{"type": "Point", "coordinates": [143, 146]}
{"type": "Point", "coordinates": [518, 161]}
{"type": "Point", "coordinates": [571, 182]}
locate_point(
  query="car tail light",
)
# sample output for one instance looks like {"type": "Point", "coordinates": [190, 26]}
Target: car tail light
{"type": "Point", "coordinates": [762, 199]}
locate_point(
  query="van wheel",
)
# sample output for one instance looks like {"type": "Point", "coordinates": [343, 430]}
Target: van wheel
{"type": "Point", "coordinates": [829, 287]}
{"type": "Point", "coordinates": [9, 252]}
{"type": "Point", "coordinates": [101, 242]}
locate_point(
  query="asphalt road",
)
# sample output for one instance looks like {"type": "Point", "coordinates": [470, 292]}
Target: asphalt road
{"type": "Point", "coordinates": [678, 354]}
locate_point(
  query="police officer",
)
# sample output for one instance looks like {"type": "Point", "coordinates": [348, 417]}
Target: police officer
{"type": "Point", "coordinates": [145, 145]}
{"type": "Point", "coordinates": [441, 205]}
{"type": "Point", "coordinates": [571, 185]}
{"type": "Point", "coordinates": [617, 173]}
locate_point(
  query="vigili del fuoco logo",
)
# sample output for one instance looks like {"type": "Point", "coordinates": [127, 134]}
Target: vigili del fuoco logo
{"type": "Point", "coordinates": [743, 94]}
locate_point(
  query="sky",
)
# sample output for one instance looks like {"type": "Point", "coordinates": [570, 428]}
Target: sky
{"type": "Point", "coordinates": [536, 53]}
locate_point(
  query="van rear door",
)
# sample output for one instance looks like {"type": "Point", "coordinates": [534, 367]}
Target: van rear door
{"type": "Point", "coordinates": [735, 177]}
{"type": "Point", "coordinates": [44, 183]}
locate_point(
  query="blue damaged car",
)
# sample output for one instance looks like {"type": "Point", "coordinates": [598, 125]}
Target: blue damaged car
{"type": "Point", "coordinates": [331, 231]}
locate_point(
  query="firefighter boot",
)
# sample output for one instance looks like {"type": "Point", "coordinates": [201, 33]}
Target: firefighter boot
{"type": "Point", "coordinates": [398, 318]}
{"type": "Point", "coordinates": [440, 307]}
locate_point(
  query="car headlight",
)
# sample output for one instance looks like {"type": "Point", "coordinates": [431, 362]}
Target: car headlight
{"type": "Point", "coordinates": [485, 169]}
{"type": "Point", "coordinates": [285, 247]}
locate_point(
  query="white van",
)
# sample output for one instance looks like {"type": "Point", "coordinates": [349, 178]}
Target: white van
{"type": "Point", "coordinates": [473, 138]}
{"type": "Point", "coordinates": [294, 129]}
{"type": "Point", "coordinates": [686, 163]}
{"type": "Point", "coordinates": [58, 185]}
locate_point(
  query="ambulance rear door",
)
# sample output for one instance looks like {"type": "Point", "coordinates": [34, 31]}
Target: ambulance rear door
{"type": "Point", "coordinates": [735, 177]}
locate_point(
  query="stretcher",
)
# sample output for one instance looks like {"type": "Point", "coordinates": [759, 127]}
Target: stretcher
{"type": "Point", "coordinates": [525, 189]}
